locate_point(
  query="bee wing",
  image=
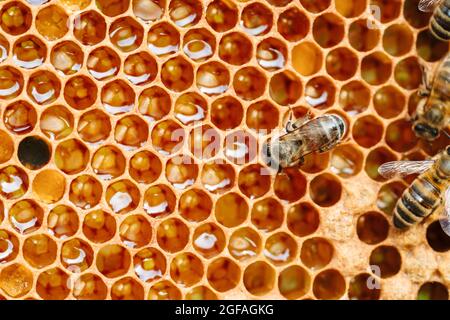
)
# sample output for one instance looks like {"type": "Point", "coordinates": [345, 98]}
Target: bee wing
{"type": "Point", "coordinates": [309, 135]}
{"type": "Point", "coordinates": [428, 5]}
{"type": "Point", "coordinates": [404, 168]}
{"type": "Point", "coordinates": [445, 219]}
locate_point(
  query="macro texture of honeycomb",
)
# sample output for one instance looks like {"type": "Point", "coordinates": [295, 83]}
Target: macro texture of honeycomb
{"type": "Point", "coordinates": [128, 166]}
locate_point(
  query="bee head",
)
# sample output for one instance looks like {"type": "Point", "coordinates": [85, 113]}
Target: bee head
{"type": "Point", "coordinates": [425, 131]}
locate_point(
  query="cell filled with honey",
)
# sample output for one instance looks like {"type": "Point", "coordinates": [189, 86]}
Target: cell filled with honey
{"type": "Point", "coordinates": [103, 63]}
{"type": "Point", "coordinates": [149, 264]}
{"type": "Point", "coordinates": [127, 289]}
{"type": "Point", "coordinates": [112, 8]}
{"type": "Point", "coordinates": [172, 235]}
{"type": "Point", "coordinates": [223, 274]}
{"type": "Point", "coordinates": [20, 117]}
{"type": "Point", "coordinates": [244, 244]}
{"type": "Point", "coordinates": [249, 83]}
{"type": "Point", "coordinates": [362, 36]}
{"type": "Point", "coordinates": [62, 222]}
{"type": "Point", "coordinates": [262, 116]}
{"type": "Point", "coordinates": [122, 196]}
{"type": "Point", "coordinates": [52, 284]}
{"type": "Point", "coordinates": [190, 108]}
{"type": "Point", "coordinates": [231, 210]}
{"type": "Point", "coordinates": [29, 52]}
{"type": "Point", "coordinates": [94, 126]}
{"type": "Point", "coordinates": [212, 78]}
{"type": "Point", "coordinates": [154, 103]}
{"type": "Point", "coordinates": [9, 246]}
{"type": "Point", "coordinates": [303, 219]}
{"type": "Point", "coordinates": [15, 18]}
{"type": "Point", "coordinates": [99, 226]}
{"type": "Point", "coordinates": [14, 182]}
{"type": "Point", "coordinates": [185, 13]}
{"type": "Point", "coordinates": [226, 113]}
{"type": "Point", "coordinates": [85, 191]}
{"type": "Point", "coordinates": [267, 214]}
{"type": "Point", "coordinates": [117, 97]}
{"type": "Point", "coordinates": [259, 278]}
{"type": "Point", "coordinates": [195, 205]}
{"type": "Point", "coordinates": [89, 28]}
{"type": "Point", "coordinates": [145, 167]}
{"type": "Point", "coordinates": [235, 48]}
{"type": "Point", "coordinates": [159, 201]}
{"type": "Point", "coordinates": [108, 162]}
{"type": "Point", "coordinates": [113, 260]}
{"type": "Point", "coordinates": [199, 44]}
{"type": "Point", "coordinates": [135, 231]}
{"type": "Point", "coordinates": [131, 132]}
{"type": "Point", "coordinates": [56, 122]}
{"type": "Point", "coordinates": [140, 68]}
{"type": "Point", "coordinates": [11, 82]}
{"type": "Point", "coordinates": [164, 290]}
{"type": "Point", "coordinates": [209, 240]}
{"type": "Point", "coordinates": [148, 10]}
{"type": "Point", "coordinates": [16, 280]}
{"type": "Point", "coordinates": [222, 15]}
{"type": "Point", "coordinates": [163, 39]}
{"type": "Point", "coordinates": [89, 287]}
{"type": "Point", "coordinates": [49, 186]}
{"type": "Point", "coordinates": [126, 34]}
{"type": "Point", "coordinates": [71, 156]}
{"type": "Point", "coordinates": [256, 19]}
{"type": "Point", "coordinates": [280, 248]}
{"type": "Point", "coordinates": [167, 137]}
{"type": "Point", "coordinates": [186, 269]}
{"type": "Point", "coordinates": [76, 255]}
{"type": "Point", "coordinates": [293, 24]}
{"type": "Point", "coordinates": [39, 250]}
{"type": "Point", "coordinates": [181, 172]}
{"type": "Point", "coordinates": [294, 282]}
{"type": "Point", "coordinates": [80, 92]}
{"type": "Point", "coordinates": [66, 57]}
{"type": "Point", "coordinates": [52, 22]}
{"type": "Point", "coordinates": [271, 54]}
{"type": "Point", "coordinates": [217, 176]}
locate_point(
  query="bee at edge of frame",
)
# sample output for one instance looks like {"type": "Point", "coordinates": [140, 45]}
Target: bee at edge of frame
{"type": "Point", "coordinates": [432, 116]}
{"type": "Point", "coordinates": [440, 20]}
{"type": "Point", "coordinates": [427, 192]}
{"type": "Point", "coordinates": [304, 136]}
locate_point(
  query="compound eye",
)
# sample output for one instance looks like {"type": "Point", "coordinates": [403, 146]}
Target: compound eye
{"type": "Point", "coordinates": [419, 128]}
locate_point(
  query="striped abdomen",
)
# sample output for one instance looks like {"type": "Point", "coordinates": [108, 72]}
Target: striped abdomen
{"type": "Point", "coordinates": [440, 21]}
{"type": "Point", "coordinates": [419, 200]}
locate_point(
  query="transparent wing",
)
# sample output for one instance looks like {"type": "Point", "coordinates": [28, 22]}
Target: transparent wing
{"type": "Point", "coordinates": [428, 5]}
{"type": "Point", "coordinates": [445, 219]}
{"type": "Point", "coordinates": [403, 168]}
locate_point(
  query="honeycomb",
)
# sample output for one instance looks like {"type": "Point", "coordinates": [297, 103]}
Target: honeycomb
{"type": "Point", "coordinates": [128, 166]}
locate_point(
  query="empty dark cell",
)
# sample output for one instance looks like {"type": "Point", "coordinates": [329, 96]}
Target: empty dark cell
{"type": "Point", "coordinates": [33, 152]}
{"type": "Point", "coordinates": [437, 239]}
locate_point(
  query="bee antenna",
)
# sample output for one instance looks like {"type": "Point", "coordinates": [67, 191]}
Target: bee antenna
{"type": "Point", "coordinates": [446, 134]}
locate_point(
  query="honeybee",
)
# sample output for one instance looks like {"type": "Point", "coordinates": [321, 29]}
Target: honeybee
{"type": "Point", "coordinates": [304, 136]}
{"type": "Point", "coordinates": [440, 21]}
{"type": "Point", "coordinates": [433, 111]}
{"type": "Point", "coordinates": [427, 192]}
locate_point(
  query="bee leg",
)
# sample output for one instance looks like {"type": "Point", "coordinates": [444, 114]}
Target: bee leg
{"type": "Point", "coordinates": [292, 125]}
{"type": "Point", "coordinates": [326, 147]}
{"type": "Point", "coordinates": [425, 88]}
